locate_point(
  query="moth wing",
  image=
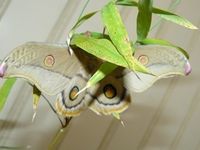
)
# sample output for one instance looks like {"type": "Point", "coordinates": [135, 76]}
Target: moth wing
{"type": "Point", "coordinates": [109, 96]}
{"type": "Point", "coordinates": [48, 66]}
{"type": "Point", "coordinates": [163, 61]}
{"type": "Point", "coordinates": [67, 104]}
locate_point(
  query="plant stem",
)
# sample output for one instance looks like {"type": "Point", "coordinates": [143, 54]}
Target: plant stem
{"type": "Point", "coordinates": [59, 135]}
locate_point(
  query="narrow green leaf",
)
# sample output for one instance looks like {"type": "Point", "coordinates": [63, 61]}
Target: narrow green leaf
{"type": "Point", "coordinates": [36, 97]}
{"type": "Point", "coordinates": [105, 69]}
{"type": "Point", "coordinates": [83, 19]}
{"type": "Point", "coordinates": [144, 18]}
{"type": "Point", "coordinates": [127, 3]}
{"type": "Point", "coordinates": [119, 36]}
{"type": "Point", "coordinates": [162, 13]}
{"type": "Point", "coordinates": [155, 41]}
{"type": "Point", "coordinates": [174, 18]}
{"type": "Point", "coordinates": [116, 29]}
{"type": "Point", "coordinates": [116, 115]}
{"type": "Point", "coordinates": [5, 90]}
{"type": "Point", "coordinates": [95, 35]}
{"type": "Point", "coordinates": [101, 48]}
{"type": "Point", "coordinates": [165, 43]}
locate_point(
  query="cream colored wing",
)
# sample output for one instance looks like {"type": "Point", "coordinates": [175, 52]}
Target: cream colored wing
{"type": "Point", "coordinates": [163, 61]}
{"type": "Point", "coordinates": [107, 97]}
{"type": "Point", "coordinates": [48, 66]}
{"type": "Point", "coordinates": [67, 104]}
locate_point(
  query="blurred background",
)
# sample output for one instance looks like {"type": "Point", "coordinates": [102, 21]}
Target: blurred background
{"type": "Point", "coordinates": [164, 117]}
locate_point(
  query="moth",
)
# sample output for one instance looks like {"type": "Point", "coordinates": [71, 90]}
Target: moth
{"type": "Point", "coordinates": [54, 71]}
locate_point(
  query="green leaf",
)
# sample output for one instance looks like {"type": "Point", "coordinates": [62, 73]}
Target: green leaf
{"type": "Point", "coordinates": [36, 97]}
{"type": "Point", "coordinates": [83, 19]}
{"type": "Point", "coordinates": [95, 35]}
{"type": "Point", "coordinates": [116, 115]}
{"type": "Point", "coordinates": [174, 18]}
{"type": "Point", "coordinates": [101, 48]}
{"type": "Point", "coordinates": [144, 18]}
{"type": "Point", "coordinates": [127, 3]}
{"type": "Point", "coordinates": [162, 13]}
{"type": "Point", "coordinates": [105, 69]}
{"type": "Point", "coordinates": [116, 29]}
{"type": "Point", "coordinates": [5, 90]}
{"type": "Point", "coordinates": [119, 36]}
{"type": "Point", "coordinates": [165, 43]}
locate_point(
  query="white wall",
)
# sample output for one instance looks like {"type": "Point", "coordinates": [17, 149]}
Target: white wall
{"type": "Point", "coordinates": [164, 117]}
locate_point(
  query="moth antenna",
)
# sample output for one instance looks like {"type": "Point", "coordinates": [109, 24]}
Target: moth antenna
{"type": "Point", "coordinates": [52, 108]}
